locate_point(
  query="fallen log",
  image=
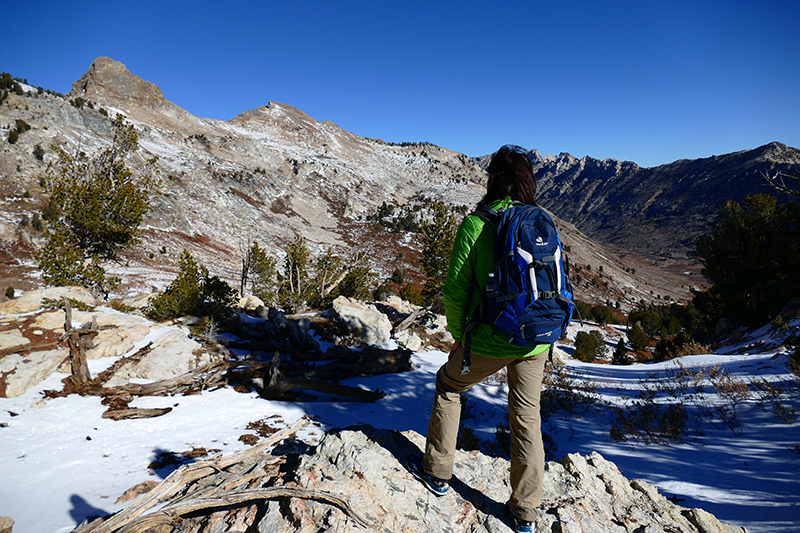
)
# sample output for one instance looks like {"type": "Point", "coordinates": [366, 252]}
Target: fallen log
{"type": "Point", "coordinates": [124, 414]}
{"type": "Point", "coordinates": [171, 512]}
{"type": "Point", "coordinates": [199, 379]}
{"type": "Point", "coordinates": [274, 392]}
{"type": "Point", "coordinates": [406, 323]}
{"type": "Point", "coordinates": [183, 481]}
{"type": "Point", "coordinates": [280, 384]}
{"type": "Point", "coordinates": [342, 364]}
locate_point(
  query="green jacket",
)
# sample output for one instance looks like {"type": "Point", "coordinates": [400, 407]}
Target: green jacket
{"type": "Point", "coordinates": [471, 261]}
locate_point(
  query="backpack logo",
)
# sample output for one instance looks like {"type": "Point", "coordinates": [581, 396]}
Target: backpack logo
{"type": "Point", "coordinates": [540, 241]}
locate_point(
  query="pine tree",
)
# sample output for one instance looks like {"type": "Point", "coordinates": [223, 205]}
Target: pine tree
{"type": "Point", "coordinates": [637, 338]}
{"type": "Point", "coordinates": [752, 259]}
{"type": "Point", "coordinates": [293, 292]}
{"type": "Point", "coordinates": [328, 272]}
{"type": "Point", "coordinates": [620, 356]}
{"type": "Point", "coordinates": [438, 235]}
{"type": "Point", "coordinates": [589, 346]}
{"type": "Point", "coordinates": [356, 283]}
{"type": "Point", "coordinates": [193, 291]}
{"type": "Point", "coordinates": [263, 268]}
{"type": "Point", "coordinates": [96, 206]}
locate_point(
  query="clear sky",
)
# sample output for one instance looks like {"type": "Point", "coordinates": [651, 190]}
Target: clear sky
{"type": "Point", "coordinates": [638, 80]}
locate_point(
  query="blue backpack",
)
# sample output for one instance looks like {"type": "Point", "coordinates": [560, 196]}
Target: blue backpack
{"type": "Point", "coordinates": [528, 297]}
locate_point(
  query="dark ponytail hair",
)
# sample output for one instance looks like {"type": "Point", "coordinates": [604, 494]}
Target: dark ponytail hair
{"type": "Point", "coordinates": [510, 174]}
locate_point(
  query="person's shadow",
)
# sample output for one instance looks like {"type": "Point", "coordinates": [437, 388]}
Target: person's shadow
{"type": "Point", "coordinates": [83, 511]}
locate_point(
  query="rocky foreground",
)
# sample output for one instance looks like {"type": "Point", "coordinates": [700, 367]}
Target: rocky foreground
{"type": "Point", "coordinates": [354, 481]}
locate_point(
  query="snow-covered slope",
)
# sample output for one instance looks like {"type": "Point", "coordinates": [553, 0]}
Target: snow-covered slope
{"type": "Point", "coordinates": [62, 462]}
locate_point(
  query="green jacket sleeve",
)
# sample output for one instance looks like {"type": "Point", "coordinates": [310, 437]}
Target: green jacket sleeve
{"type": "Point", "coordinates": [460, 287]}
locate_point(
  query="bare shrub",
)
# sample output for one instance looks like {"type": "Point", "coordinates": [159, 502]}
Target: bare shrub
{"type": "Point", "coordinates": [732, 391]}
{"type": "Point", "coordinates": [693, 348]}
{"type": "Point", "coordinates": [661, 411]}
{"type": "Point", "coordinates": [776, 393]}
{"type": "Point", "coordinates": [649, 422]}
{"type": "Point", "coordinates": [564, 390]}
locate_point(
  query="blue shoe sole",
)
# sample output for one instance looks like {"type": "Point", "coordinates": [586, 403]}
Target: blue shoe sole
{"type": "Point", "coordinates": [520, 526]}
{"type": "Point", "coordinates": [415, 468]}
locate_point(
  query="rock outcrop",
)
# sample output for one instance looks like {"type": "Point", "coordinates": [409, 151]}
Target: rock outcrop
{"type": "Point", "coordinates": [365, 322]}
{"type": "Point", "coordinates": [581, 493]}
{"type": "Point", "coordinates": [32, 346]}
{"type": "Point", "coordinates": [354, 480]}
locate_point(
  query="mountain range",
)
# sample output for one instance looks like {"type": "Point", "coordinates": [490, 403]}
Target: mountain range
{"type": "Point", "coordinates": [660, 210]}
{"type": "Point", "coordinates": [274, 172]}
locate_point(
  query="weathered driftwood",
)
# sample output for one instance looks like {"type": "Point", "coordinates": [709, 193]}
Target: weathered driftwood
{"type": "Point", "coordinates": [117, 398]}
{"type": "Point", "coordinates": [224, 482]}
{"type": "Point", "coordinates": [30, 348]}
{"type": "Point", "coordinates": [274, 392]}
{"type": "Point", "coordinates": [313, 371]}
{"type": "Point", "coordinates": [374, 360]}
{"type": "Point", "coordinates": [341, 364]}
{"type": "Point", "coordinates": [172, 512]}
{"type": "Point", "coordinates": [279, 384]}
{"type": "Point", "coordinates": [76, 339]}
{"type": "Point", "coordinates": [124, 414]}
{"type": "Point", "coordinates": [406, 323]}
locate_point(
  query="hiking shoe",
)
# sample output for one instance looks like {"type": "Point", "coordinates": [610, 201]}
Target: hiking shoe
{"type": "Point", "coordinates": [434, 484]}
{"type": "Point", "coordinates": [520, 526]}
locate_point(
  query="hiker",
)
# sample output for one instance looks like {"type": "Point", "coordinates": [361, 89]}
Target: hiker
{"type": "Point", "coordinates": [511, 178]}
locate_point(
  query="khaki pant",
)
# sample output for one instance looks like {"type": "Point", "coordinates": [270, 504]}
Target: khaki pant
{"type": "Point", "coordinates": [527, 451]}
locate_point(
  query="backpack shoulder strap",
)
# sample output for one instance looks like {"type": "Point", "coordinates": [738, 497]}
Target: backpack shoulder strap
{"type": "Point", "coordinates": [487, 214]}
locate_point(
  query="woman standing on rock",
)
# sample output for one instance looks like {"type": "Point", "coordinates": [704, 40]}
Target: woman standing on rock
{"type": "Point", "coordinates": [511, 178]}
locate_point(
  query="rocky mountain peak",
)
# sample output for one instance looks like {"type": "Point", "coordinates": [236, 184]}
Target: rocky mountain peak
{"type": "Point", "coordinates": [110, 81]}
{"type": "Point", "coordinates": [777, 152]}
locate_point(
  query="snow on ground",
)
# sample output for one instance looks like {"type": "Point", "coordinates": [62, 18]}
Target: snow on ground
{"type": "Point", "coordinates": [62, 462]}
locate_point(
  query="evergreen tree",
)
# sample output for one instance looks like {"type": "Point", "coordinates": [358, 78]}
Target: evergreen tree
{"type": "Point", "coordinates": [589, 346]}
{"type": "Point", "coordinates": [63, 264]}
{"type": "Point", "coordinates": [752, 259]}
{"type": "Point", "coordinates": [637, 338]}
{"type": "Point", "coordinates": [602, 315]}
{"type": "Point", "coordinates": [193, 291]}
{"type": "Point", "coordinates": [262, 272]}
{"type": "Point", "coordinates": [438, 235]}
{"type": "Point", "coordinates": [96, 206]}
{"type": "Point", "coordinates": [327, 273]}
{"type": "Point", "coordinates": [620, 355]}
{"type": "Point", "coordinates": [356, 283]}
{"type": "Point", "coordinates": [293, 292]}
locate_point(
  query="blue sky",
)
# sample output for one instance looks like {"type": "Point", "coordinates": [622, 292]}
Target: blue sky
{"type": "Point", "coordinates": [649, 82]}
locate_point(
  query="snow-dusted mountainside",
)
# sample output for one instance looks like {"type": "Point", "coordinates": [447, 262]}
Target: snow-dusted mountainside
{"type": "Point", "coordinates": [660, 210]}
{"type": "Point", "coordinates": [266, 175]}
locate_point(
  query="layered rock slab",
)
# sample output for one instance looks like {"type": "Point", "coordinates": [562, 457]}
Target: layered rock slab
{"type": "Point", "coordinates": [364, 466]}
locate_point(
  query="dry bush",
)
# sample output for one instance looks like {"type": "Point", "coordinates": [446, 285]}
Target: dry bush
{"type": "Point", "coordinates": [647, 419]}
{"type": "Point", "coordinates": [565, 390]}
{"type": "Point", "coordinates": [649, 422]}
{"type": "Point", "coordinates": [732, 391]}
{"type": "Point", "coordinates": [693, 348]}
{"type": "Point", "coordinates": [776, 393]}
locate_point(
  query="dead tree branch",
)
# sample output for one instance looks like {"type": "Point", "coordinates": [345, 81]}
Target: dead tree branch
{"type": "Point", "coordinates": [789, 185]}
{"type": "Point", "coordinates": [214, 484]}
